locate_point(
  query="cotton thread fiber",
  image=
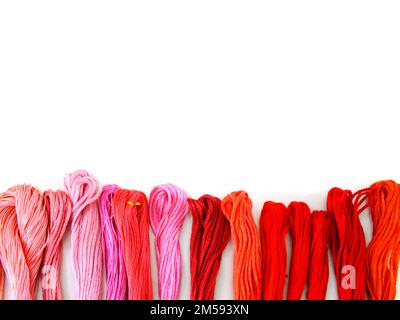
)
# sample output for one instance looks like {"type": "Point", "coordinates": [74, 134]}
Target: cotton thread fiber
{"type": "Point", "coordinates": [318, 275]}
{"type": "Point", "coordinates": [84, 191]}
{"type": "Point", "coordinates": [23, 236]}
{"type": "Point", "coordinates": [300, 227]}
{"type": "Point", "coordinates": [168, 208]}
{"type": "Point", "coordinates": [132, 219]}
{"type": "Point", "coordinates": [113, 257]}
{"type": "Point", "coordinates": [210, 235]}
{"type": "Point", "coordinates": [384, 249]}
{"type": "Point", "coordinates": [274, 225]}
{"type": "Point", "coordinates": [237, 208]}
{"type": "Point", "coordinates": [348, 245]}
{"type": "Point", "coordinates": [59, 209]}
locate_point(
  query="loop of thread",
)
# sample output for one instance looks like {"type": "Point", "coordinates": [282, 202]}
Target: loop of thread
{"type": "Point", "coordinates": [384, 249]}
{"type": "Point", "coordinates": [319, 262]}
{"type": "Point", "coordinates": [113, 257]}
{"type": "Point", "coordinates": [210, 235]}
{"type": "Point", "coordinates": [300, 226]}
{"type": "Point", "coordinates": [274, 225]}
{"type": "Point", "coordinates": [237, 208]}
{"type": "Point", "coordinates": [84, 191]}
{"type": "Point", "coordinates": [348, 245]}
{"type": "Point", "coordinates": [133, 226]}
{"type": "Point", "coordinates": [23, 236]}
{"type": "Point", "coordinates": [59, 208]}
{"type": "Point", "coordinates": [168, 208]}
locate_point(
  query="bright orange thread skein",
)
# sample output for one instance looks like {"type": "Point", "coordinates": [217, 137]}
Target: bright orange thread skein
{"type": "Point", "coordinates": [384, 249]}
{"type": "Point", "coordinates": [237, 207]}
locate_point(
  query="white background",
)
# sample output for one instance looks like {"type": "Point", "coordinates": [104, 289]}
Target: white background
{"type": "Point", "coordinates": [284, 99]}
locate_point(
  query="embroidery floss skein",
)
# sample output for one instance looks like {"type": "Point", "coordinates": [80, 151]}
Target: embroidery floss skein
{"type": "Point", "coordinates": [300, 226]}
{"type": "Point", "coordinates": [319, 263]}
{"type": "Point", "coordinates": [348, 244]}
{"type": "Point", "coordinates": [210, 235]}
{"type": "Point", "coordinates": [274, 225]}
{"type": "Point", "coordinates": [132, 219]}
{"type": "Point", "coordinates": [384, 249]}
{"type": "Point", "coordinates": [168, 208]}
{"type": "Point", "coordinates": [59, 208]}
{"type": "Point", "coordinates": [237, 208]}
{"type": "Point", "coordinates": [112, 247]}
{"type": "Point", "coordinates": [23, 235]}
{"type": "Point", "coordinates": [84, 191]}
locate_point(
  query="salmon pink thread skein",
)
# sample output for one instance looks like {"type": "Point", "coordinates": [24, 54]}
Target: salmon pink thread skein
{"type": "Point", "coordinates": [59, 208]}
{"type": "Point", "coordinates": [168, 208]}
{"type": "Point", "coordinates": [84, 191]}
{"type": "Point", "coordinates": [112, 247]}
{"type": "Point", "coordinates": [23, 236]}
{"type": "Point", "coordinates": [237, 208]}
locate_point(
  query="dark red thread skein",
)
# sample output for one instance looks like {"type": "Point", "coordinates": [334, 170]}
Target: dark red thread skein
{"type": "Point", "coordinates": [299, 226]}
{"type": "Point", "coordinates": [347, 243]}
{"type": "Point", "coordinates": [319, 263]}
{"type": "Point", "coordinates": [210, 235]}
{"type": "Point", "coordinates": [274, 225]}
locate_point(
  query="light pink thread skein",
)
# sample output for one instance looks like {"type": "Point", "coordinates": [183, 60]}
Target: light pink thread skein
{"type": "Point", "coordinates": [116, 278]}
{"type": "Point", "coordinates": [59, 208]}
{"type": "Point", "coordinates": [23, 235]}
{"type": "Point", "coordinates": [84, 191]}
{"type": "Point", "coordinates": [168, 208]}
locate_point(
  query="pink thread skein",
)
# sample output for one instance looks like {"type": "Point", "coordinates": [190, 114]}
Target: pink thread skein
{"type": "Point", "coordinates": [84, 191]}
{"type": "Point", "coordinates": [113, 255]}
{"type": "Point", "coordinates": [23, 235]}
{"type": "Point", "coordinates": [168, 208]}
{"type": "Point", "coordinates": [59, 208]}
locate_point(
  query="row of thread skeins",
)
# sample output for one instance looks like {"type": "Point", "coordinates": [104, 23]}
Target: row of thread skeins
{"type": "Point", "coordinates": [110, 231]}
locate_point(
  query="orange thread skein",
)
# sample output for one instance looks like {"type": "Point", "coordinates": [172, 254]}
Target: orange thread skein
{"type": "Point", "coordinates": [237, 207]}
{"type": "Point", "coordinates": [383, 252]}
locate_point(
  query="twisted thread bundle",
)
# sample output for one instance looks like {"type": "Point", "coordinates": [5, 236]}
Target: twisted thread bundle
{"type": "Point", "coordinates": [110, 235]}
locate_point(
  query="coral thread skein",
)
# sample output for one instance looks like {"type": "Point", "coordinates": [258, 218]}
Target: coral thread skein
{"type": "Point", "coordinates": [59, 208]}
{"type": "Point", "coordinates": [112, 248]}
{"type": "Point", "coordinates": [132, 219]}
{"type": "Point", "coordinates": [210, 235]}
{"type": "Point", "coordinates": [274, 225]}
{"type": "Point", "coordinates": [300, 227]}
{"type": "Point", "coordinates": [84, 191]}
{"type": "Point", "coordinates": [23, 236]}
{"type": "Point", "coordinates": [348, 244]}
{"type": "Point", "coordinates": [168, 208]}
{"type": "Point", "coordinates": [237, 208]}
{"type": "Point", "coordinates": [383, 251]}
